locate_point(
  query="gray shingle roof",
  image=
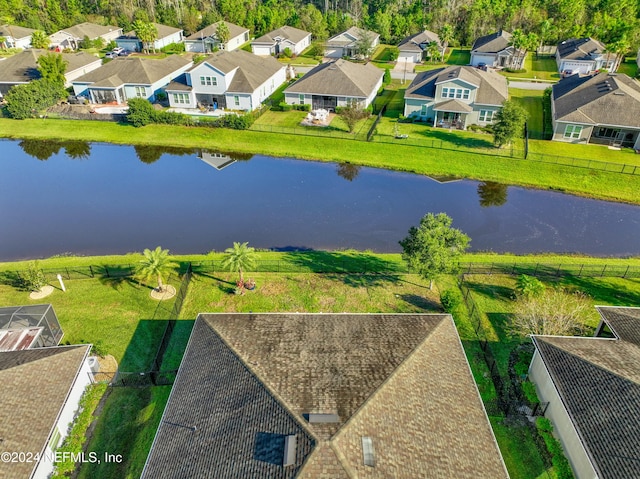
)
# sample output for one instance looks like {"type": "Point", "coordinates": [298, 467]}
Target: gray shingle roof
{"type": "Point", "coordinates": [599, 383]}
{"type": "Point", "coordinates": [163, 31]}
{"type": "Point", "coordinates": [350, 37]}
{"type": "Point", "coordinates": [492, 87]}
{"type": "Point", "coordinates": [23, 67]}
{"type": "Point", "coordinates": [401, 379]}
{"type": "Point", "coordinates": [15, 31]}
{"type": "Point", "coordinates": [286, 33]}
{"type": "Point", "coordinates": [494, 43]}
{"type": "Point", "coordinates": [35, 386]}
{"type": "Point", "coordinates": [339, 78]}
{"type": "Point", "coordinates": [418, 42]}
{"type": "Point", "coordinates": [133, 70]}
{"type": "Point", "coordinates": [580, 49]}
{"type": "Point", "coordinates": [210, 31]}
{"type": "Point", "coordinates": [91, 30]}
{"type": "Point", "coordinates": [602, 99]}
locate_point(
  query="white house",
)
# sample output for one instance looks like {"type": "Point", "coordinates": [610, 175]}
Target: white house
{"type": "Point", "coordinates": [15, 36]}
{"type": "Point", "coordinates": [206, 40]}
{"type": "Point", "coordinates": [455, 96]}
{"type": "Point", "coordinates": [40, 395]}
{"type": "Point", "coordinates": [72, 36]}
{"type": "Point", "coordinates": [166, 36]}
{"type": "Point", "coordinates": [277, 41]}
{"type": "Point", "coordinates": [130, 77]}
{"type": "Point", "coordinates": [583, 55]}
{"type": "Point", "coordinates": [412, 48]}
{"type": "Point", "coordinates": [233, 80]}
{"type": "Point", "coordinates": [493, 50]}
{"type": "Point", "coordinates": [336, 84]}
{"type": "Point", "coordinates": [347, 44]}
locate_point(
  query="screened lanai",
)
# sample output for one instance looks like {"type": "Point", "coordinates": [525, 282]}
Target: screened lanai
{"type": "Point", "coordinates": [28, 327]}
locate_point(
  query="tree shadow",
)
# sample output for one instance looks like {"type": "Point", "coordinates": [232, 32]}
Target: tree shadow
{"type": "Point", "coordinates": [456, 139]}
{"type": "Point", "coordinates": [13, 279]}
{"type": "Point", "coordinates": [491, 291]}
{"type": "Point", "coordinates": [501, 323]}
{"type": "Point", "coordinates": [116, 276]}
{"type": "Point", "coordinates": [604, 292]}
{"type": "Point", "coordinates": [421, 302]}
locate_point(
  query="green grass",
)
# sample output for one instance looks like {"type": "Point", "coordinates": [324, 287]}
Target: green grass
{"type": "Point", "coordinates": [629, 67]}
{"type": "Point", "coordinates": [531, 101]}
{"type": "Point", "coordinates": [299, 60]}
{"type": "Point", "coordinates": [540, 68]}
{"type": "Point", "coordinates": [457, 56]}
{"type": "Point", "coordinates": [586, 152]}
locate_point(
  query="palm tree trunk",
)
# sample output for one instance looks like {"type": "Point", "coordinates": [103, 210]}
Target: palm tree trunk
{"type": "Point", "coordinates": [160, 285]}
{"type": "Point", "coordinates": [241, 276]}
{"type": "Point", "coordinates": [430, 284]}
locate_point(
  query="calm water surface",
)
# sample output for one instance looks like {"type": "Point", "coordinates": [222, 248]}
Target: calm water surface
{"type": "Point", "coordinates": [100, 199]}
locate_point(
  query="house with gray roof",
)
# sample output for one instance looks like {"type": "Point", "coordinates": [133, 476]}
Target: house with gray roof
{"type": "Point", "coordinates": [40, 395]}
{"type": "Point", "coordinates": [130, 77]}
{"type": "Point", "coordinates": [347, 44]}
{"type": "Point", "coordinates": [23, 67]}
{"type": "Point", "coordinates": [206, 40]}
{"type": "Point", "coordinates": [336, 84]}
{"type": "Point", "coordinates": [413, 48]}
{"type": "Point", "coordinates": [493, 50]}
{"type": "Point", "coordinates": [166, 36]}
{"type": "Point", "coordinates": [455, 97]}
{"type": "Point", "coordinates": [70, 38]}
{"type": "Point", "coordinates": [233, 80]}
{"type": "Point", "coordinates": [15, 36]}
{"type": "Point", "coordinates": [592, 386]}
{"type": "Point", "coordinates": [601, 109]}
{"type": "Point", "coordinates": [282, 395]}
{"type": "Point", "coordinates": [583, 55]}
{"type": "Point", "coordinates": [277, 41]}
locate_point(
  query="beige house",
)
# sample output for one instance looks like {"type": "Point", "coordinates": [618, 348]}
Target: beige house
{"type": "Point", "coordinates": [347, 44]}
{"type": "Point", "coordinates": [277, 41]}
{"type": "Point", "coordinates": [414, 47]}
{"type": "Point", "coordinates": [15, 36]}
{"type": "Point", "coordinates": [70, 38]}
{"type": "Point", "coordinates": [206, 40]}
{"type": "Point", "coordinates": [592, 386]}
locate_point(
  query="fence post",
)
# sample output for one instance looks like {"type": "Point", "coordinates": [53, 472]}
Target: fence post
{"type": "Point", "coordinates": [625, 273]}
{"type": "Point", "coordinates": [68, 275]}
{"type": "Point", "coordinates": [580, 272]}
{"type": "Point", "coordinates": [602, 274]}
{"type": "Point", "coordinates": [91, 270]}
{"type": "Point", "coordinates": [106, 270]}
{"type": "Point", "coordinates": [536, 270]}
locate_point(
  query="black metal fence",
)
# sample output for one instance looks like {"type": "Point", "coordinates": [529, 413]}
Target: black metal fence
{"type": "Point", "coordinates": [137, 379]}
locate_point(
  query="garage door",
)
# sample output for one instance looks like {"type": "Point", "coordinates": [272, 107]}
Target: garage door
{"type": "Point", "coordinates": [576, 67]}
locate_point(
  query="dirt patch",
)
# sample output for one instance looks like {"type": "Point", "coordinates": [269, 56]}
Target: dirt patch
{"type": "Point", "coordinates": [41, 293]}
{"type": "Point", "coordinates": [167, 292]}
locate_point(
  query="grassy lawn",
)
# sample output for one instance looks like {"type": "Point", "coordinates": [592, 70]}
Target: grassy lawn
{"type": "Point", "coordinates": [540, 68]}
{"type": "Point", "coordinates": [299, 60]}
{"type": "Point", "coordinates": [530, 100]}
{"type": "Point", "coordinates": [395, 155]}
{"type": "Point", "coordinates": [287, 119]}
{"type": "Point", "coordinates": [457, 56]}
{"type": "Point", "coordinates": [538, 148]}
{"type": "Point", "coordinates": [629, 67]}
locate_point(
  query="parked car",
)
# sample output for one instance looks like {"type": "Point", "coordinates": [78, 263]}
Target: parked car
{"type": "Point", "coordinates": [567, 73]}
{"type": "Point", "coordinates": [482, 66]}
{"type": "Point", "coordinates": [110, 55]}
{"type": "Point", "coordinates": [124, 53]}
{"type": "Point", "coordinates": [118, 50]}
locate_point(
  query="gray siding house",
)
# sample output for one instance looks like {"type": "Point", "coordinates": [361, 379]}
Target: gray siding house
{"type": "Point", "coordinates": [15, 36]}
{"type": "Point", "coordinates": [493, 50]}
{"type": "Point", "coordinates": [413, 47]}
{"type": "Point", "coordinates": [277, 41]}
{"type": "Point", "coordinates": [345, 44]}
{"type": "Point", "coordinates": [166, 36]}
{"type": "Point", "coordinates": [455, 97]}
{"type": "Point", "coordinates": [206, 40]}
{"type": "Point", "coordinates": [602, 109]}
{"type": "Point", "coordinates": [592, 386]}
{"type": "Point", "coordinates": [583, 55]}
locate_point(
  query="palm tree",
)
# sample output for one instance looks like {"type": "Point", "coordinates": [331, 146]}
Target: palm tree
{"type": "Point", "coordinates": [518, 42]}
{"type": "Point", "coordinates": [239, 258]}
{"type": "Point", "coordinates": [147, 33]}
{"type": "Point", "coordinates": [156, 264]}
{"type": "Point", "coordinates": [446, 37]}
{"type": "Point", "coordinates": [39, 39]}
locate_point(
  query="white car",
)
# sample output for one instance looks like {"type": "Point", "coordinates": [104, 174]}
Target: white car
{"type": "Point", "coordinates": [117, 50]}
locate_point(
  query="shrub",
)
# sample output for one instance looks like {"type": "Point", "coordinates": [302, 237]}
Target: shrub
{"type": "Point", "coordinates": [26, 101]}
{"type": "Point", "coordinates": [305, 107]}
{"type": "Point", "coordinates": [529, 391]}
{"type": "Point", "coordinates": [287, 53]}
{"type": "Point", "coordinates": [34, 278]}
{"type": "Point", "coordinates": [141, 112]}
{"type": "Point", "coordinates": [558, 459]}
{"type": "Point", "coordinates": [285, 106]}
{"type": "Point", "coordinates": [234, 122]}
{"type": "Point", "coordinates": [450, 300]}
{"type": "Point", "coordinates": [474, 127]}
{"type": "Point", "coordinates": [173, 48]}
{"type": "Point", "coordinates": [516, 70]}
{"type": "Point", "coordinates": [386, 79]}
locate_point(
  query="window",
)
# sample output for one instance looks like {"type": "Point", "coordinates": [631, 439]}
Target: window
{"type": "Point", "coordinates": [180, 98]}
{"type": "Point", "coordinates": [608, 132]}
{"type": "Point", "coordinates": [423, 110]}
{"type": "Point", "coordinates": [301, 98]}
{"type": "Point", "coordinates": [141, 92]}
{"type": "Point", "coordinates": [572, 131]}
{"type": "Point", "coordinates": [459, 93]}
{"type": "Point", "coordinates": [236, 100]}
{"type": "Point", "coordinates": [486, 115]}
{"type": "Point", "coordinates": [208, 81]}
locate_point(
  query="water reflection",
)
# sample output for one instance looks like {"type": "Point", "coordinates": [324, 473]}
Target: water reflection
{"type": "Point", "coordinates": [347, 171]}
{"type": "Point", "coordinates": [43, 150]}
{"type": "Point", "coordinates": [149, 154]}
{"type": "Point", "coordinates": [492, 194]}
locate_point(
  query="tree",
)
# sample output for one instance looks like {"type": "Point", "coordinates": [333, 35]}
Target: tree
{"type": "Point", "coordinates": [52, 68]}
{"type": "Point", "coordinates": [552, 312]}
{"type": "Point", "coordinates": [39, 39]}
{"type": "Point", "coordinates": [432, 249]}
{"type": "Point", "coordinates": [386, 79]}
{"type": "Point", "coordinates": [140, 112]}
{"type": "Point", "coordinates": [28, 100]}
{"type": "Point", "coordinates": [528, 286]}
{"type": "Point", "coordinates": [239, 258]}
{"type": "Point", "coordinates": [492, 194]}
{"type": "Point", "coordinates": [518, 42]}
{"type": "Point", "coordinates": [509, 123]}
{"type": "Point", "coordinates": [446, 35]}
{"type": "Point", "coordinates": [433, 52]}
{"type": "Point", "coordinates": [34, 279]}
{"type": "Point", "coordinates": [222, 34]}
{"type": "Point", "coordinates": [311, 20]}
{"type": "Point", "coordinates": [147, 33]}
{"type": "Point", "coordinates": [3, 42]}
{"type": "Point", "coordinates": [352, 114]}
{"type": "Point", "coordinates": [364, 45]}
{"type": "Point", "coordinates": [156, 264]}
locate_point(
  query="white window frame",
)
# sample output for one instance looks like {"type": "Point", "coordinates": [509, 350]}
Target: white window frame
{"type": "Point", "coordinates": [181, 98]}
{"type": "Point", "coordinates": [423, 109]}
{"type": "Point", "coordinates": [486, 115]}
{"type": "Point", "coordinates": [141, 91]}
{"type": "Point", "coordinates": [573, 131]}
{"type": "Point", "coordinates": [236, 100]}
{"type": "Point", "coordinates": [301, 99]}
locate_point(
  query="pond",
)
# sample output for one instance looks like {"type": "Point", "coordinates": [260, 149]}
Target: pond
{"type": "Point", "coordinates": [83, 198]}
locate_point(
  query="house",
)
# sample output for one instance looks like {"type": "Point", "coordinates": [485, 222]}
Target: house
{"type": "Point", "coordinates": [493, 50]}
{"type": "Point", "coordinates": [413, 48]}
{"type": "Point", "coordinates": [601, 109]}
{"type": "Point", "coordinates": [70, 38]}
{"type": "Point", "coordinates": [277, 41]}
{"type": "Point", "coordinates": [130, 77]}
{"type": "Point", "coordinates": [583, 55]}
{"type": "Point", "coordinates": [23, 67]}
{"type": "Point", "coordinates": [336, 84]}
{"type": "Point", "coordinates": [166, 36]}
{"type": "Point", "coordinates": [348, 44]}
{"type": "Point", "coordinates": [206, 40]}
{"type": "Point", "coordinates": [316, 395]}
{"type": "Point", "coordinates": [235, 80]}
{"type": "Point", "coordinates": [15, 36]}
{"type": "Point", "coordinates": [455, 96]}
{"type": "Point", "coordinates": [592, 386]}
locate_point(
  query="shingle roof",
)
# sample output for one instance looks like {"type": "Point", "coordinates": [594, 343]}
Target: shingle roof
{"type": "Point", "coordinates": [285, 32]}
{"type": "Point", "coordinates": [15, 31]}
{"type": "Point", "coordinates": [492, 88]}
{"type": "Point", "coordinates": [340, 78]}
{"type": "Point", "coordinates": [418, 42]}
{"type": "Point", "coordinates": [350, 37]}
{"type": "Point", "coordinates": [401, 379]}
{"type": "Point", "coordinates": [580, 49]}
{"type": "Point", "coordinates": [133, 70]}
{"type": "Point", "coordinates": [91, 30]}
{"type": "Point", "coordinates": [35, 386]}
{"type": "Point", "coordinates": [210, 31]}
{"type": "Point", "coordinates": [602, 99]}
{"type": "Point", "coordinates": [23, 67]}
{"type": "Point", "coordinates": [494, 43]}
{"type": "Point", "coordinates": [163, 31]}
{"type": "Point", "coordinates": [598, 381]}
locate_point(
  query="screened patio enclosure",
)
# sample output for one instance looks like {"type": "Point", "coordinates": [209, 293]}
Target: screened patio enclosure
{"type": "Point", "coordinates": [30, 319]}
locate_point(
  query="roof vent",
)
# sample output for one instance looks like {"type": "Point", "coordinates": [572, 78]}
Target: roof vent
{"type": "Point", "coordinates": [322, 418]}
{"type": "Point", "coordinates": [619, 93]}
{"type": "Point", "coordinates": [368, 453]}
{"type": "Point", "coordinates": [290, 444]}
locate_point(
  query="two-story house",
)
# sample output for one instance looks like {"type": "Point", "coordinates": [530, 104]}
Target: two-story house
{"type": "Point", "coordinates": [583, 55]}
{"type": "Point", "coordinates": [206, 40]}
{"type": "Point", "coordinates": [455, 97]}
{"type": "Point", "coordinates": [236, 80]}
